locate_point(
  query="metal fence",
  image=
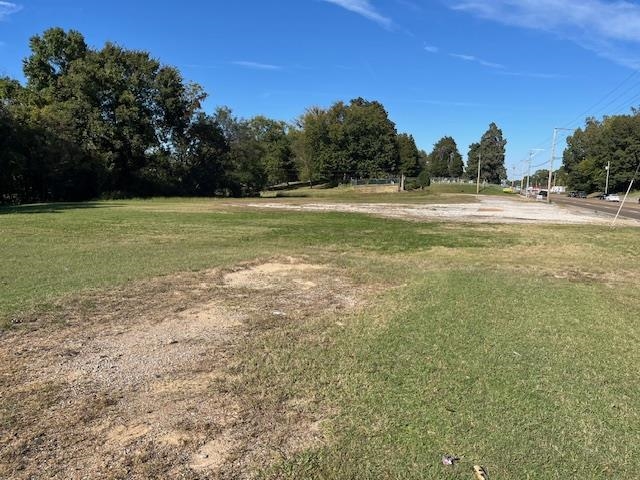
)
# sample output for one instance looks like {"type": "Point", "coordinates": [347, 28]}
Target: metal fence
{"type": "Point", "coordinates": [375, 181]}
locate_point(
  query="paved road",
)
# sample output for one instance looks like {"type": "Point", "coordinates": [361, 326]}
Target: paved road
{"type": "Point", "coordinates": [631, 207]}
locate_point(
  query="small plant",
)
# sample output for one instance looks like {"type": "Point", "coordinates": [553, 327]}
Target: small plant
{"type": "Point", "coordinates": [424, 180]}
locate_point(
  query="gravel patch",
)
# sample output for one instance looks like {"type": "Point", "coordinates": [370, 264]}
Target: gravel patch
{"type": "Point", "coordinates": [487, 210]}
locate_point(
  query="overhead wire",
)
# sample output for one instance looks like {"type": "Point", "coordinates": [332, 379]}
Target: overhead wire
{"type": "Point", "coordinates": [590, 110]}
{"type": "Point", "coordinates": [610, 98]}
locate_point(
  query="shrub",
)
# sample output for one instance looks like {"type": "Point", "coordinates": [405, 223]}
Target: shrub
{"type": "Point", "coordinates": [424, 180]}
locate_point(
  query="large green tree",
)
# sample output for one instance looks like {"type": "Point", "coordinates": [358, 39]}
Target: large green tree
{"type": "Point", "coordinates": [370, 139]}
{"type": "Point", "coordinates": [614, 140]}
{"type": "Point", "coordinates": [490, 151]}
{"type": "Point", "coordinates": [355, 140]}
{"type": "Point", "coordinates": [445, 159]}
{"type": "Point", "coordinates": [205, 160]}
{"type": "Point", "coordinates": [110, 120]}
{"type": "Point", "coordinates": [52, 56]}
{"type": "Point", "coordinates": [275, 149]}
{"type": "Point", "coordinates": [309, 139]}
{"type": "Point", "coordinates": [408, 155]}
{"type": "Point", "coordinates": [245, 174]}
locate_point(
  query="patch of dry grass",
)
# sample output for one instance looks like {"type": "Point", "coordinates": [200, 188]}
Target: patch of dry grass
{"type": "Point", "coordinates": [370, 350]}
{"type": "Point", "coordinates": [109, 384]}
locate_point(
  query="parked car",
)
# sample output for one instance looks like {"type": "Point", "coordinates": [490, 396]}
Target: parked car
{"type": "Point", "coordinates": [542, 195]}
{"type": "Point", "coordinates": [572, 194]}
{"type": "Point", "coordinates": [612, 197]}
{"type": "Point", "coordinates": [581, 194]}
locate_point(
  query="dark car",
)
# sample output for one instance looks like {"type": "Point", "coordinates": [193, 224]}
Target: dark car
{"type": "Point", "coordinates": [572, 194]}
{"type": "Point", "coordinates": [581, 194]}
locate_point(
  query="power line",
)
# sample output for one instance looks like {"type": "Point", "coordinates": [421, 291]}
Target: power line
{"type": "Point", "coordinates": [615, 99]}
{"type": "Point", "coordinates": [627, 104]}
{"type": "Point", "coordinates": [611, 92]}
{"type": "Point", "coordinates": [590, 110]}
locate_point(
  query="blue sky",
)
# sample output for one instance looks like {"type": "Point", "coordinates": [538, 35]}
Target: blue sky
{"type": "Point", "coordinates": [440, 67]}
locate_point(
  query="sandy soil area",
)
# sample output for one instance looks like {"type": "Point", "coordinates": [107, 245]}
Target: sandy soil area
{"type": "Point", "coordinates": [148, 380]}
{"type": "Point", "coordinates": [486, 210]}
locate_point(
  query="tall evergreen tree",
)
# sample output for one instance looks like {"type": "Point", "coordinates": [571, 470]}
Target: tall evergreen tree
{"type": "Point", "coordinates": [408, 154]}
{"type": "Point", "coordinates": [491, 151]}
{"type": "Point", "coordinates": [445, 159]}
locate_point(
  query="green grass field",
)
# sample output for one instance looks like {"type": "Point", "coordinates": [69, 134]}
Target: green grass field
{"type": "Point", "coordinates": [512, 346]}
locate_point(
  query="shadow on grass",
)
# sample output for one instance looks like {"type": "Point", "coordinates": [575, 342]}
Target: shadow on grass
{"type": "Point", "coordinates": [54, 207]}
{"type": "Point", "coordinates": [292, 195]}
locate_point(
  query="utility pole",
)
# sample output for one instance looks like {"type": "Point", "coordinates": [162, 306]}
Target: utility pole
{"type": "Point", "coordinates": [478, 182]}
{"type": "Point", "coordinates": [529, 173]}
{"type": "Point", "coordinates": [532, 152]}
{"type": "Point", "coordinates": [553, 153]}
{"type": "Point", "coordinates": [608, 169]}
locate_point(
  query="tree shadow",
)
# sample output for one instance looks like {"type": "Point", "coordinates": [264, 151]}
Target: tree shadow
{"type": "Point", "coordinates": [292, 195]}
{"type": "Point", "coordinates": [54, 207]}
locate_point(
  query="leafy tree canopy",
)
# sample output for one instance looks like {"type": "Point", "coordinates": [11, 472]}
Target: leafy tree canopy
{"type": "Point", "coordinates": [614, 139]}
{"type": "Point", "coordinates": [408, 155]}
{"type": "Point", "coordinates": [445, 159]}
{"type": "Point", "coordinates": [491, 153]}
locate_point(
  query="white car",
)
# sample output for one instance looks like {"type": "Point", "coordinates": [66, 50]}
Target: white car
{"type": "Point", "coordinates": [612, 197]}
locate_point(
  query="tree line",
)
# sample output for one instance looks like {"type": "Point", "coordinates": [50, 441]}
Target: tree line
{"type": "Point", "coordinates": [114, 122]}
{"type": "Point", "coordinates": [614, 141]}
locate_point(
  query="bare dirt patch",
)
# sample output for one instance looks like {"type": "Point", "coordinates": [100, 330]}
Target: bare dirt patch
{"type": "Point", "coordinates": [487, 210]}
{"type": "Point", "coordinates": [144, 381]}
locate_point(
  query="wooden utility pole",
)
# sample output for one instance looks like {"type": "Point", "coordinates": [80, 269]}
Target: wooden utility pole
{"type": "Point", "coordinates": [478, 182]}
{"type": "Point", "coordinates": [532, 152]}
{"type": "Point", "coordinates": [553, 152]}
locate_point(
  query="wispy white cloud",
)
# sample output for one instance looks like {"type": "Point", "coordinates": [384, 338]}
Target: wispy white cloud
{"type": "Point", "coordinates": [364, 8]}
{"type": "Point", "coordinates": [256, 65]}
{"type": "Point", "coordinates": [8, 8]}
{"type": "Point", "coordinates": [345, 67]}
{"type": "Point", "coordinates": [431, 49]}
{"type": "Point", "coordinates": [471, 58]}
{"type": "Point", "coordinates": [410, 5]}
{"type": "Point", "coordinates": [542, 76]}
{"type": "Point", "coordinates": [199, 65]}
{"type": "Point", "coordinates": [609, 28]}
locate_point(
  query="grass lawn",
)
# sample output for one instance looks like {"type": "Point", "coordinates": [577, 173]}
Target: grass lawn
{"type": "Point", "coordinates": [512, 346]}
